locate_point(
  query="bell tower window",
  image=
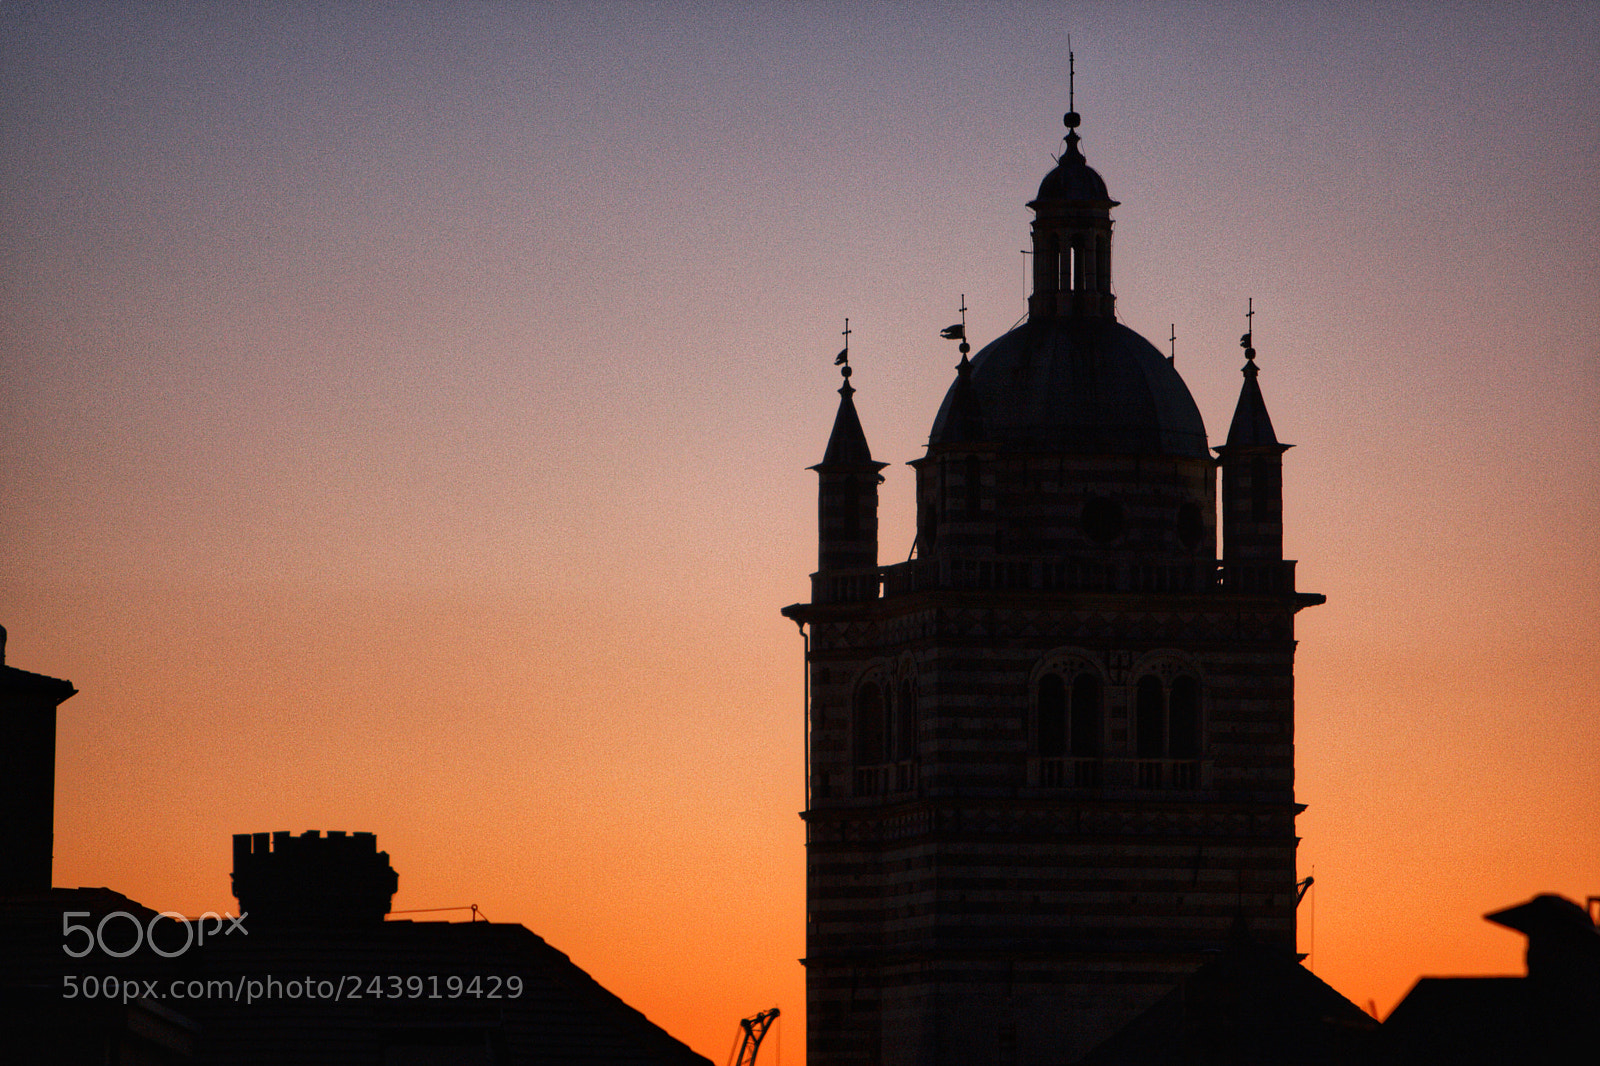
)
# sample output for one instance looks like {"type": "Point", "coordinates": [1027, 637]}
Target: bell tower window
{"type": "Point", "coordinates": [883, 735]}
{"type": "Point", "coordinates": [867, 737]}
{"type": "Point", "coordinates": [1167, 732]}
{"type": "Point", "coordinates": [1069, 721]}
{"type": "Point", "coordinates": [905, 737]}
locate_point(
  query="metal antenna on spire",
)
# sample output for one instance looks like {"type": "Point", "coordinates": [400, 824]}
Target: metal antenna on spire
{"type": "Point", "coordinates": [1071, 119]}
{"type": "Point", "coordinates": [1070, 76]}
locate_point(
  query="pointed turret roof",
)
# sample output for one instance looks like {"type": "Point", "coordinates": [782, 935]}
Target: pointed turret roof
{"type": "Point", "coordinates": [847, 444]}
{"type": "Point", "coordinates": [963, 421]}
{"type": "Point", "coordinates": [1251, 426]}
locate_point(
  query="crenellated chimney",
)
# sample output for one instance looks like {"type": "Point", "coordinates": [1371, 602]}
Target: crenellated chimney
{"type": "Point", "coordinates": [311, 879]}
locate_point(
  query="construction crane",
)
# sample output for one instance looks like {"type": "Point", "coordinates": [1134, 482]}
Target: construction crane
{"type": "Point", "coordinates": [744, 1053]}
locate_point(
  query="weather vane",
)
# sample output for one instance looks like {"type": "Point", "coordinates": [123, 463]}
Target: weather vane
{"type": "Point", "coordinates": [1245, 341]}
{"type": "Point", "coordinates": [843, 359]}
{"type": "Point", "coordinates": [958, 332]}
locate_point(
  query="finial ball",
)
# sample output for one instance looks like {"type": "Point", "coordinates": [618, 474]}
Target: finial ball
{"type": "Point", "coordinates": [1070, 120]}
{"type": "Point", "coordinates": [845, 370]}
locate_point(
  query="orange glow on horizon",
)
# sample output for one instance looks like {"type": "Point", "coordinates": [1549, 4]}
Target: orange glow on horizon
{"type": "Point", "coordinates": [408, 415]}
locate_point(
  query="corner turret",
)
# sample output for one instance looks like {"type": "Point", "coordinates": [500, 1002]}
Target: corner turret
{"type": "Point", "coordinates": [1252, 491]}
{"type": "Point", "coordinates": [847, 504]}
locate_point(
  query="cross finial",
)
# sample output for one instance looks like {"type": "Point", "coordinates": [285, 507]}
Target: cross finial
{"type": "Point", "coordinates": [958, 332]}
{"type": "Point", "coordinates": [1172, 342]}
{"type": "Point", "coordinates": [1246, 342]}
{"type": "Point", "coordinates": [842, 360]}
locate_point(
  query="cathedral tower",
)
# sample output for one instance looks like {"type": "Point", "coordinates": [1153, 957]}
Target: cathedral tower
{"type": "Point", "coordinates": [1051, 757]}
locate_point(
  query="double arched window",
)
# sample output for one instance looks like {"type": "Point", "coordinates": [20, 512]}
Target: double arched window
{"type": "Point", "coordinates": [883, 734]}
{"type": "Point", "coordinates": [1167, 730]}
{"type": "Point", "coordinates": [1068, 722]}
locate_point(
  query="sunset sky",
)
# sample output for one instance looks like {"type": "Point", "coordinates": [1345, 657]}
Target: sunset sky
{"type": "Point", "coordinates": [407, 408]}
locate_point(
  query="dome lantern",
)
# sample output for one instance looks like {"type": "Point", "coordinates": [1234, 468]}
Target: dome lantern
{"type": "Point", "coordinates": [1072, 235]}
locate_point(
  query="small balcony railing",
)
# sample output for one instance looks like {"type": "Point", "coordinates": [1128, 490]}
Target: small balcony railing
{"type": "Point", "coordinates": [1151, 774]}
{"type": "Point", "coordinates": [1070, 773]}
{"type": "Point", "coordinates": [886, 778]}
{"type": "Point", "coordinates": [1169, 773]}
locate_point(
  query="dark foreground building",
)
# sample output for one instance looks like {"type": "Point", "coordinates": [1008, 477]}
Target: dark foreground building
{"type": "Point", "coordinates": [1051, 757]}
{"type": "Point", "coordinates": [1550, 1016]}
{"type": "Point", "coordinates": [312, 973]}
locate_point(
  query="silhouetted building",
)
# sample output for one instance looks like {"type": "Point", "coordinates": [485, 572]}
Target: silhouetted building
{"type": "Point", "coordinates": [310, 972]}
{"type": "Point", "coordinates": [1552, 1015]}
{"type": "Point", "coordinates": [330, 980]}
{"type": "Point", "coordinates": [1245, 1006]}
{"type": "Point", "coordinates": [1051, 757]}
{"type": "Point", "coordinates": [66, 957]}
{"type": "Point", "coordinates": [28, 705]}
{"type": "Point", "coordinates": [323, 977]}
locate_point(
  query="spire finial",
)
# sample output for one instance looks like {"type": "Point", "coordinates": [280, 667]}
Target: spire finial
{"type": "Point", "coordinates": [1246, 341]}
{"type": "Point", "coordinates": [1172, 341]}
{"type": "Point", "coordinates": [1071, 118]}
{"type": "Point", "coordinates": [959, 332]}
{"type": "Point", "coordinates": [842, 360]}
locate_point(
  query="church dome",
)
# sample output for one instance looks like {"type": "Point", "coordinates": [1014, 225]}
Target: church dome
{"type": "Point", "coordinates": [1077, 384]}
{"type": "Point", "coordinates": [1073, 179]}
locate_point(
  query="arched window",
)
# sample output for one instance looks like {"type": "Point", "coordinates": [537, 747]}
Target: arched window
{"type": "Point", "coordinates": [883, 735]}
{"type": "Point", "coordinates": [903, 739]}
{"type": "Point", "coordinates": [1183, 719]}
{"type": "Point", "coordinates": [1069, 722]}
{"type": "Point", "coordinates": [905, 722]}
{"type": "Point", "coordinates": [868, 725]}
{"type": "Point", "coordinates": [1150, 736]}
{"type": "Point", "coordinates": [1167, 737]}
{"type": "Point", "coordinates": [1086, 716]}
